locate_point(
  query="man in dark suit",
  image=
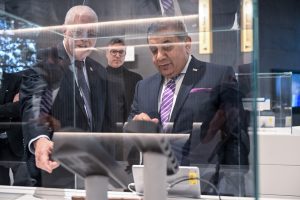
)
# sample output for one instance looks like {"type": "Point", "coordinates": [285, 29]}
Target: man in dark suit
{"type": "Point", "coordinates": [66, 89]}
{"type": "Point", "coordinates": [11, 139]}
{"type": "Point", "coordinates": [187, 91]}
{"type": "Point", "coordinates": [121, 81]}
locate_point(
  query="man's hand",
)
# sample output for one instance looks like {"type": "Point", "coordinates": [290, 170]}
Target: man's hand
{"type": "Point", "coordinates": [43, 149]}
{"type": "Point", "coordinates": [16, 98]}
{"type": "Point", "coordinates": [145, 117]}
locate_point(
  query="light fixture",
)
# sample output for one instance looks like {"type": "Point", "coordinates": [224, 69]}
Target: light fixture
{"type": "Point", "coordinates": [205, 26]}
{"type": "Point", "coordinates": [130, 55]}
{"type": "Point", "coordinates": [246, 26]}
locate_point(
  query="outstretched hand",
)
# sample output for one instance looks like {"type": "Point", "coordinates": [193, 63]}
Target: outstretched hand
{"type": "Point", "coordinates": [43, 149]}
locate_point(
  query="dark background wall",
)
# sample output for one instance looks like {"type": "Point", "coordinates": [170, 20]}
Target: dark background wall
{"type": "Point", "coordinates": [51, 12]}
{"type": "Point", "coordinates": [279, 24]}
{"type": "Point", "coordinates": [279, 30]}
{"type": "Point", "coordinates": [279, 34]}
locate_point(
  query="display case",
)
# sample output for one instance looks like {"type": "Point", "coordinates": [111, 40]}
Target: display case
{"type": "Point", "coordinates": [273, 102]}
{"type": "Point", "coordinates": [211, 41]}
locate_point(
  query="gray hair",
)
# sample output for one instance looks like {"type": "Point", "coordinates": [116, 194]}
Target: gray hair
{"type": "Point", "coordinates": [79, 10]}
{"type": "Point", "coordinates": [116, 41]}
{"type": "Point", "coordinates": [177, 27]}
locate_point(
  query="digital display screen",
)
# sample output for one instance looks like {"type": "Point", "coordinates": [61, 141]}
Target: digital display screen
{"type": "Point", "coordinates": [296, 90]}
{"type": "Point", "coordinates": [287, 92]}
{"type": "Point", "coordinates": [16, 52]}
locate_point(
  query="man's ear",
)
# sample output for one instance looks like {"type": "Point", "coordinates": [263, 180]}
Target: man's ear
{"type": "Point", "coordinates": [64, 31]}
{"type": "Point", "coordinates": [106, 52]}
{"type": "Point", "coordinates": [188, 44]}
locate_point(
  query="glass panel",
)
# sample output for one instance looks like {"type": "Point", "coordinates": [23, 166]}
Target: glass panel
{"type": "Point", "coordinates": [280, 101]}
{"type": "Point", "coordinates": [17, 53]}
{"type": "Point", "coordinates": [274, 101]}
{"type": "Point", "coordinates": [24, 85]}
{"type": "Point", "coordinates": [199, 49]}
{"type": "Point", "coordinates": [18, 171]}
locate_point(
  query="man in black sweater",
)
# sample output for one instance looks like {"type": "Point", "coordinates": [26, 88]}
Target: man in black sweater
{"type": "Point", "coordinates": [121, 86]}
{"type": "Point", "coordinates": [121, 81]}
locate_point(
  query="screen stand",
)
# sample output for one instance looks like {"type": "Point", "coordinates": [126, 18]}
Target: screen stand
{"type": "Point", "coordinates": [155, 172]}
{"type": "Point", "coordinates": [96, 187]}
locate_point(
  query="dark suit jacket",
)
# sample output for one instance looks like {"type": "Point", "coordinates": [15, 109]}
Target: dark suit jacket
{"type": "Point", "coordinates": [10, 112]}
{"type": "Point", "coordinates": [54, 73]}
{"type": "Point", "coordinates": [208, 94]}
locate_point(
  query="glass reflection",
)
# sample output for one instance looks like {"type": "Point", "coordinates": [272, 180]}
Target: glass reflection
{"type": "Point", "coordinates": [207, 99]}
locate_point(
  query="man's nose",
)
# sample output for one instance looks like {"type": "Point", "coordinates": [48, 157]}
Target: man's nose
{"type": "Point", "coordinates": [86, 41]}
{"type": "Point", "coordinates": [161, 54]}
{"type": "Point", "coordinates": [81, 40]}
{"type": "Point", "coordinates": [118, 54]}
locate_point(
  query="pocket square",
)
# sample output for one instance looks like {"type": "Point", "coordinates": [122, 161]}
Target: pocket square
{"type": "Point", "coordinates": [193, 90]}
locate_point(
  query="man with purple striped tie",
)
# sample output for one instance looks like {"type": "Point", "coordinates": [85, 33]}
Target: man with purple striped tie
{"type": "Point", "coordinates": [187, 91]}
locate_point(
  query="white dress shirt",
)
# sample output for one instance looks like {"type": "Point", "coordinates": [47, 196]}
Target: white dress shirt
{"type": "Point", "coordinates": [178, 83]}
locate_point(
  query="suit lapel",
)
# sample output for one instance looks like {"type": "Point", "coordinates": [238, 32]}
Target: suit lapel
{"type": "Point", "coordinates": [195, 71]}
{"type": "Point", "coordinates": [69, 77]}
{"type": "Point", "coordinates": [93, 77]}
{"type": "Point", "coordinates": [155, 88]}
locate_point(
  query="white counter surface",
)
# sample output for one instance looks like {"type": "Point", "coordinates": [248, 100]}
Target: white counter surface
{"type": "Point", "coordinates": [35, 193]}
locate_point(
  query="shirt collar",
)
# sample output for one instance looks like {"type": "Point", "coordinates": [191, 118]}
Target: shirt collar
{"type": "Point", "coordinates": [183, 72]}
{"type": "Point", "coordinates": [186, 65]}
{"type": "Point", "coordinates": [65, 54]}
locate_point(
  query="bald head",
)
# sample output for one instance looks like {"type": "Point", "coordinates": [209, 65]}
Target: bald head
{"type": "Point", "coordinates": [80, 14]}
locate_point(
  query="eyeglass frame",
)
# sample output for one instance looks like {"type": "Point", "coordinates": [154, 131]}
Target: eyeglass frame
{"type": "Point", "coordinates": [83, 33]}
{"type": "Point", "coordinates": [117, 51]}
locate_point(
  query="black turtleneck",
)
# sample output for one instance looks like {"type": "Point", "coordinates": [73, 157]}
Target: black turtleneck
{"type": "Point", "coordinates": [121, 83]}
{"type": "Point", "coordinates": [117, 91]}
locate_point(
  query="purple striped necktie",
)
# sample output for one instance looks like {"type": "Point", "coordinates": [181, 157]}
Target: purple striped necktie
{"type": "Point", "coordinates": [168, 6]}
{"type": "Point", "coordinates": [167, 101]}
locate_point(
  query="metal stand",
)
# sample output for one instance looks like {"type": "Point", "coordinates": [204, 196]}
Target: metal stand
{"type": "Point", "coordinates": [155, 172]}
{"type": "Point", "coordinates": [96, 187]}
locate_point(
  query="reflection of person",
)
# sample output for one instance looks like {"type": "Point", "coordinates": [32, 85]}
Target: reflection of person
{"type": "Point", "coordinates": [203, 92]}
{"type": "Point", "coordinates": [49, 99]}
{"type": "Point", "coordinates": [122, 80]}
{"type": "Point", "coordinates": [11, 139]}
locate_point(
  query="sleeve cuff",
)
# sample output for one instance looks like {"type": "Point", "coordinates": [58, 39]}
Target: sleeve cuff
{"type": "Point", "coordinates": [30, 144]}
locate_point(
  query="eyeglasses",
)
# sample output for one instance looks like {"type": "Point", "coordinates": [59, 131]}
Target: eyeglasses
{"type": "Point", "coordinates": [114, 52]}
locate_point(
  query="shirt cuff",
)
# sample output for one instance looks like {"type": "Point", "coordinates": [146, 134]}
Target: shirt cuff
{"type": "Point", "coordinates": [30, 144]}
